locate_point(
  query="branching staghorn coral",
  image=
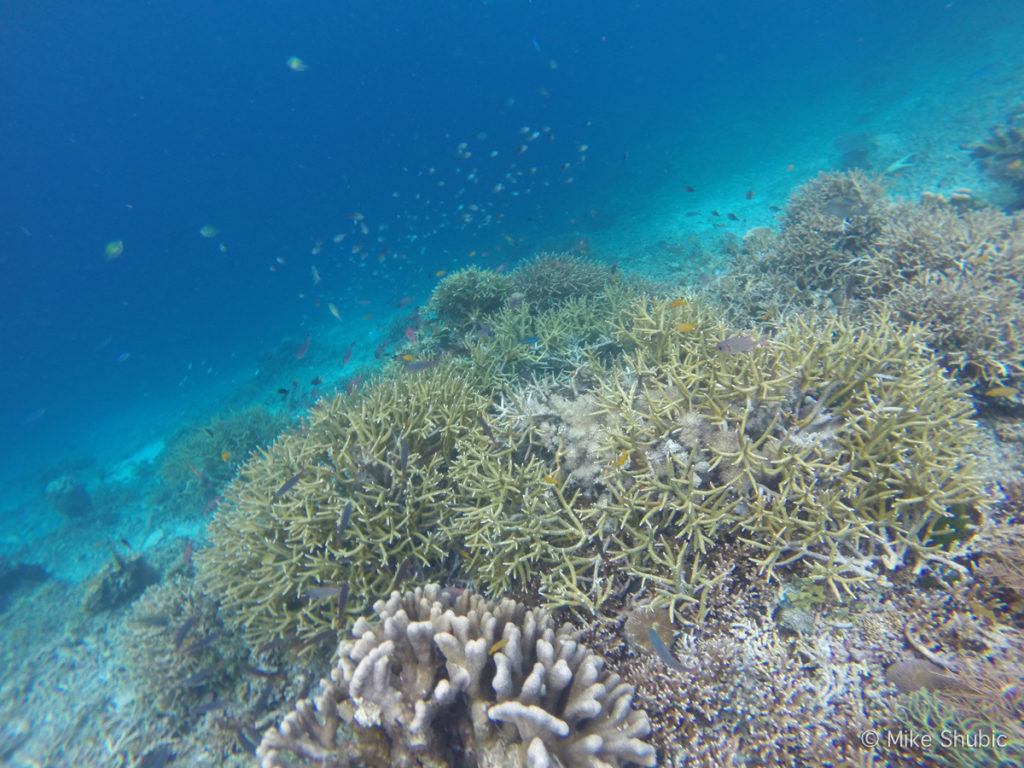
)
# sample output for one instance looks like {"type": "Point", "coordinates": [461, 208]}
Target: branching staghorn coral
{"type": "Point", "coordinates": [351, 503]}
{"type": "Point", "coordinates": [549, 279]}
{"type": "Point", "coordinates": [1002, 154]}
{"type": "Point", "coordinates": [445, 679]}
{"type": "Point", "coordinates": [843, 450]}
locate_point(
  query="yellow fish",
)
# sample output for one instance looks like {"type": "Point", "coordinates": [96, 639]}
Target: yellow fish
{"type": "Point", "coordinates": [440, 273]}
{"type": "Point", "coordinates": [552, 479]}
{"type": "Point", "coordinates": [685, 327]}
{"type": "Point", "coordinates": [409, 358]}
{"type": "Point", "coordinates": [334, 311]}
{"type": "Point", "coordinates": [295, 64]}
{"type": "Point", "coordinates": [225, 456]}
{"type": "Point", "coordinates": [1015, 165]}
{"type": "Point", "coordinates": [114, 249]}
{"type": "Point", "coordinates": [208, 231]}
{"type": "Point", "coordinates": [368, 316]}
{"type": "Point", "coordinates": [622, 458]}
{"type": "Point", "coordinates": [677, 303]}
{"type": "Point", "coordinates": [497, 646]}
{"type": "Point", "coordinates": [1001, 392]}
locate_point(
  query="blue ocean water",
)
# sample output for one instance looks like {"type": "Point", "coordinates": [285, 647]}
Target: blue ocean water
{"type": "Point", "coordinates": [264, 164]}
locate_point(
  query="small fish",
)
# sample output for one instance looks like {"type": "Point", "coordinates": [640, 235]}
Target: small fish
{"type": "Point", "coordinates": [440, 273]}
{"type": "Point", "coordinates": [322, 593]}
{"type": "Point", "coordinates": [497, 646]}
{"type": "Point", "coordinates": [688, 188]}
{"type": "Point", "coordinates": [422, 365]}
{"type": "Point", "coordinates": [225, 456]}
{"type": "Point", "coordinates": [685, 327]}
{"type": "Point", "coordinates": [353, 385]}
{"type": "Point", "coordinates": [621, 459]}
{"type": "Point", "coordinates": [736, 345]}
{"type": "Point", "coordinates": [194, 649]}
{"type": "Point", "coordinates": [342, 600]}
{"type": "Point", "coordinates": [403, 455]}
{"type": "Point", "coordinates": [264, 673]}
{"type": "Point", "coordinates": [910, 675]}
{"type": "Point", "coordinates": [662, 650]}
{"type": "Point", "coordinates": [367, 317]}
{"type": "Point", "coordinates": [125, 544]}
{"type": "Point", "coordinates": [183, 630]}
{"type": "Point", "coordinates": [186, 553]}
{"type": "Point", "coordinates": [404, 302]}
{"type": "Point", "coordinates": [408, 358]}
{"type": "Point", "coordinates": [1001, 392]}
{"type": "Point", "coordinates": [334, 310]}
{"type": "Point", "coordinates": [315, 274]}
{"type": "Point", "coordinates": [790, 168]}
{"type": "Point", "coordinates": [715, 213]}
{"type": "Point", "coordinates": [691, 214]}
{"type": "Point", "coordinates": [198, 680]}
{"type": "Point", "coordinates": [209, 706]}
{"type": "Point", "coordinates": [348, 353]}
{"type": "Point", "coordinates": [114, 249]}
{"type": "Point", "coordinates": [208, 231]}
{"type": "Point", "coordinates": [123, 357]}
{"type": "Point", "coordinates": [303, 347]}
{"type": "Point", "coordinates": [295, 64]}
{"type": "Point", "coordinates": [316, 381]}
{"type": "Point", "coordinates": [346, 517]}
{"type": "Point", "coordinates": [288, 485]}
{"type": "Point", "coordinates": [157, 757]}
{"type": "Point", "coordinates": [551, 479]}
{"type": "Point", "coordinates": [732, 216]}
{"type": "Point", "coordinates": [410, 334]}
{"type": "Point", "coordinates": [1015, 165]}
{"type": "Point", "coordinates": [750, 194]}
{"type": "Point", "coordinates": [283, 392]}
{"type": "Point", "coordinates": [677, 303]}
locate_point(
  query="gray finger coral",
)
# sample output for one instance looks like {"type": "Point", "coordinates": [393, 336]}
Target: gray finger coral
{"type": "Point", "coordinates": [441, 678]}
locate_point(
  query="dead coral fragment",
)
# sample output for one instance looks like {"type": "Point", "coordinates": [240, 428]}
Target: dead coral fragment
{"type": "Point", "coordinates": [419, 688]}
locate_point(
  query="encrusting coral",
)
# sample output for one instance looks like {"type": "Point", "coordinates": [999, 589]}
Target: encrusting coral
{"type": "Point", "coordinates": [442, 679]}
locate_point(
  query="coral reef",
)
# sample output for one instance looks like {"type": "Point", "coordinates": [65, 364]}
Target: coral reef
{"type": "Point", "coordinates": [464, 299]}
{"type": "Point", "coordinates": [200, 459]}
{"type": "Point", "coordinates": [119, 582]}
{"type": "Point", "coordinates": [548, 279]}
{"type": "Point", "coordinates": [445, 679]}
{"type": "Point", "coordinates": [183, 658]}
{"type": "Point", "coordinates": [69, 497]}
{"type": "Point", "coordinates": [1001, 155]}
{"type": "Point", "coordinates": [845, 248]}
{"type": "Point", "coordinates": [16, 576]}
{"type": "Point", "coordinates": [351, 503]}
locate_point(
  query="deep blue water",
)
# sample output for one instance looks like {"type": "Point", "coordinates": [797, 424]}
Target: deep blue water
{"type": "Point", "coordinates": [146, 121]}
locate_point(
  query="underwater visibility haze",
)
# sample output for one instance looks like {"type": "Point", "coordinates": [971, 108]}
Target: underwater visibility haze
{"type": "Point", "coordinates": [512, 383]}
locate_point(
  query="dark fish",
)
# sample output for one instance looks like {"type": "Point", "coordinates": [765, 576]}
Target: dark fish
{"type": "Point", "coordinates": [688, 188]}
{"type": "Point", "coordinates": [404, 571]}
{"type": "Point", "coordinates": [346, 517]}
{"type": "Point", "coordinates": [283, 392]}
{"type": "Point", "coordinates": [244, 741]}
{"type": "Point", "coordinates": [403, 455]}
{"type": "Point", "coordinates": [320, 637]}
{"type": "Point", "coordinates": [126, 545]}
{"type": "Point", "coordinates": [750, 194]}
{"type": "Point", "coordinates": [198, 680]}
{"type": "Point", "coordinates": [183, 630]}
{"type": "Point", "coordinates": [153, 621]}
{"type": "Point", "coordinates": [715, 213]}
{"type": "Point", "coordinates": [322, 593]}
{"type": "Point", "coordinates": [303, 347]}
{"type": "Point", "coordinates": [201, 645]}
{"type": "Point", "coordinates": [733, 216]}
{"type": "Point", "coordinates": [774, 208]}
{"type": "Point", "coordinates": [316, 382]}
{"type": "Point", "coordinates": [348, 353]}
{"type": "Point", "coordinates": [342, 601]}
{"type": "Point", "coordinates": [288, 485]}
{"type": "Point", "coordinates": [662, 650]}
{"type": "Point", "coordinates": [353, 385]}
{"type": "Point", "coordinates": [614, 268]}
{"type": "Point", "coordinates": [378, 353]}
{"type": "Point", "coordinates": [209, 706]}
{"type": "Point", "coordinates": [261, 702]}
{"type": "Point", "coordinates": [157, 757]}
{"type": "Point", "coordinates": [736, 345]}
{"type": "Point", "coordinates": [485, 427]}
{"type": "Point", "coordinates": [693, 213]}
{"type": "Point", "coordinates": [416, 366]}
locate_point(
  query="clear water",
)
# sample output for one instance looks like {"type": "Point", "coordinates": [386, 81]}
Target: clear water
{"type": "Point", "coordinates": [462, 133]}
